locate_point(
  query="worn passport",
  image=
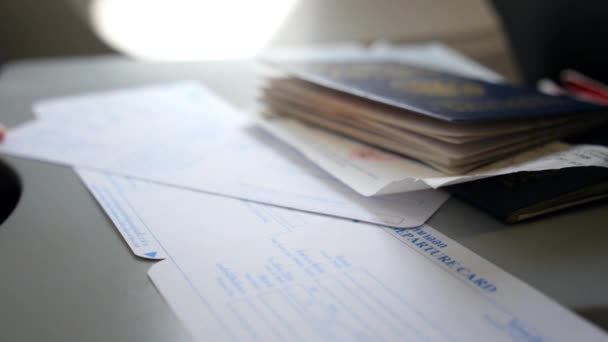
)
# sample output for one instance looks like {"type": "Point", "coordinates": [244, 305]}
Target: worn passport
{"type": "Point", "coordinates": [520, 196]}
{"type": "Point", "coordinates": [450, 122]}
{"type": "Point", "coordinates": [436, 94]}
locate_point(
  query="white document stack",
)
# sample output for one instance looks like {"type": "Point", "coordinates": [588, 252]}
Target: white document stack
{"type": "Point", "coordinates": [240, 271]}
{"type": "Point", "coordinates": [181, 134]}
{"type": "Point", "coordinates": [259, 243]}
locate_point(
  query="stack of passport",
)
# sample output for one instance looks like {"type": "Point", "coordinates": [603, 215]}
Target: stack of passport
{"type": "Point", "coordinates": [452, 123]}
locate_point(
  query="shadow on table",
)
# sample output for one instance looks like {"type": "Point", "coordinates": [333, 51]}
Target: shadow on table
{"type": "Point", "coordinates": [596, 315]}
{"type": "Point", "coordinates": [10, 191]}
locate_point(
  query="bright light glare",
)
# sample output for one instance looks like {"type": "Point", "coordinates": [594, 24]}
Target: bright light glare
{"type": "Point", "coordinates": [188, 29]}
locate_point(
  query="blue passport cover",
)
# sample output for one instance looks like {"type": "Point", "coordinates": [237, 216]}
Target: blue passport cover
{"type": "Point", "coordinates": [503, 196]}
{"type": "Point", "coordinates": [437, 94]}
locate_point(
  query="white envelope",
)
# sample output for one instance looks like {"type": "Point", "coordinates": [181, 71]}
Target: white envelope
{"type": "Point", "coordinates": [371, 171]}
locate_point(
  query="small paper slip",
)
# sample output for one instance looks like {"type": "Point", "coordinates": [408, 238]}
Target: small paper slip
{"type": "Point", "coordinates": [114, 195]}
{"type": "Point", "coordinates": [237, 270]}
{"type": "Point", "coordinates": [183, 135]}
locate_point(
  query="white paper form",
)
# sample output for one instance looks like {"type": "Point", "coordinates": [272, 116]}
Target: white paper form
{"type": "Point", "coordinates": [183, 135]}
{"type": "Point", "coordinates": [237, 270]}
{"type": "Point", "coordinates": [433, 55]}
{"type": "Point", "coordinates": [151, 131]}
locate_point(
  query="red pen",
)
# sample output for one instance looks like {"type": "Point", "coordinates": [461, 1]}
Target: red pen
{"type": "Point", "coordinates": [586, 96]}
{"type": "Point", "coordinates": [579, 83]}
{"type": "Point", "coordinates": [549, 87]}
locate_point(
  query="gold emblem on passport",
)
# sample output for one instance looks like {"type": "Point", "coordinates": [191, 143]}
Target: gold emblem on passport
{"type": "Point", "coordinates": [439, 88]}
